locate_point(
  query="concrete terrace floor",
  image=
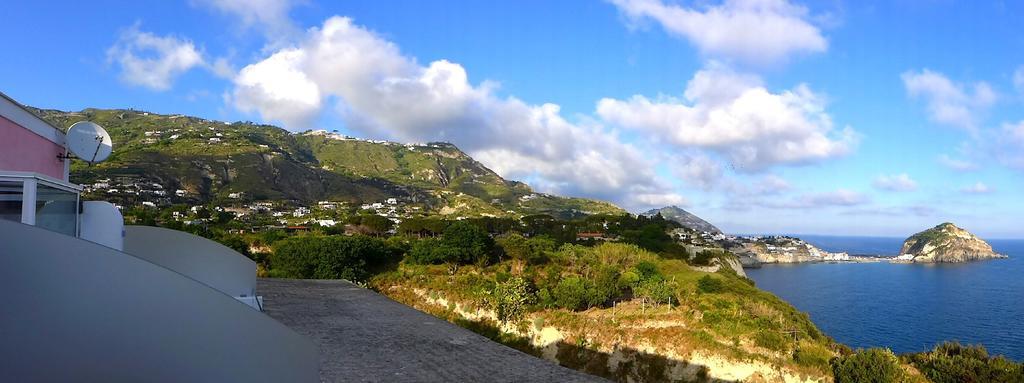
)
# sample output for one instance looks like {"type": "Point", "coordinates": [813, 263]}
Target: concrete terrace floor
{"type": "Point", "coordinates": [366, 337]}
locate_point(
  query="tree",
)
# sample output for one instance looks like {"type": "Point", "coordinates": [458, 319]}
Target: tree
{"type": "Point", "coordinates": [526, 250]}
{"type": "Point", "coordinates": [236, 243]}
{"type": "Point", "coordinates": [511, 298]}
{"type": "Point", "coordinates": [376, 224]}
{"type": "Point", "coordinates": [470, 243]}
{"type": "Point", "coordinates": [430, 251]}
{"type": "Point", "coordinates": [572, 293]}
{"type": "Point", "coordinates": [330, 257]}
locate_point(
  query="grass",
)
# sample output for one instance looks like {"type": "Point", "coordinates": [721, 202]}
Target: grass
{"type": "Point", "coordinates": [737, 322]}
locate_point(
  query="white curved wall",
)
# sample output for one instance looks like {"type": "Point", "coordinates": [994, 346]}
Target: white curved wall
{"type": "Point", "coordinates": [76, 311]}
{"type": "Point", "coordinates": [102, 223]}
{"type": "Point", "coordinates": [199, 258]}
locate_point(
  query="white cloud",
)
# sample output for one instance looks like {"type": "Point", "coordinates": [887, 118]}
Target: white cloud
{"type": "Point", "coordinates": [840, 197]}
{"type": "Point", "coordinates": [269, 17]}
{"type": "Point", "coordinates": [222, 68]}
{"type": "Point", "coordinates": [896, 182]}
{"type": "Point", "coordinates": [753, 127]}
{"type": "Point", "coordinates": [948, 102]}
{"type": "Point", "coordinates": [836, 198]}
{"type": "Point", "coordinates": [279, 90]}
{"type": "Point", "coordinates": [893, 211]}
{"type": "Point", "coordinates": [380, 92]}
{"type": "Point", "coordinates": [697, 170]}
{"type": "Point", "coordinates": [1009, 145]}
{"type": "Point", "coordinates": [771, 184]}
{"type": "Point", "coordinates": [152, 61]}
{"type": "Point", "coordinates": [757, 31]}
{"type": "Point", "coordinates": [977, 188]}
{"type": "Point", "coordinates": [957, 164]}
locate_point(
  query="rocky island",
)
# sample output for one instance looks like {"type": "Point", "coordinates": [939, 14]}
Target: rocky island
{"type": "Point", "coordinates": [945, 243]}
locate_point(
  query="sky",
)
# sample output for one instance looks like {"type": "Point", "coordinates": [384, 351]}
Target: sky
{"type": "Point", "coordinates": [877, 118]}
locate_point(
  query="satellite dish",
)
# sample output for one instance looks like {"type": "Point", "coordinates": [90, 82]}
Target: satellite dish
{"type": "Point", "coordinates": [89, 142]}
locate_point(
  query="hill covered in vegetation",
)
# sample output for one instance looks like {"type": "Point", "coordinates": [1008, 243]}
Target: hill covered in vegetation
{"type": "Point", "coordinates": [946, 243]}
{"type": "Point", "coordinates": [210, 160]}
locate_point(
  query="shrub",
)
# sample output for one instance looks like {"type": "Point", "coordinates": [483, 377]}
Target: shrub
{"type": "Point", "coordinates": [629, 279]}
{"type": "Point", "coordinates": [953, 362]}
{"type": "Point", "coordinates": [331, 257]}
{"type": "Point", "coordinates": [647, 270]}
{"type": "Point", "coordinates": [428, 252]}
{"type": "Point", "coordinates": [876, 365]}
{"type": "Point", "coordinates": [545, 299]}
{"type": "Point", "coordinates": [606, 286]}
{"type": "Point", "coordinates": [655, 290]}
{"type": "Point", "coordinates": [572, 293]}
{"type": "Point", "coordinates": [770, 340]}
{"type": "Point", "coordinates": [812, 355]}
{"type": "Point", "coordinates": [703, 258]}
{"type": "Point", "coordinates": [511, 298]}
{"type": "Point", "coordinates": [709, 285]}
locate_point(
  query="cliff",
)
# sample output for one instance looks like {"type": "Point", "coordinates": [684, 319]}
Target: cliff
{"type": "Point", "coordinates": [945, 243]}
{"type": "Point", "coordinates": [754, 251]}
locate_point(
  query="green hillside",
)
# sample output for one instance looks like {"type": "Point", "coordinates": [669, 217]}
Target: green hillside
{"type": "Point", "coordinates": [210, 160]}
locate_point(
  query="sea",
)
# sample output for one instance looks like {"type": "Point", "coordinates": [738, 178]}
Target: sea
{"type": "Point", "coordinates": [907, 307]}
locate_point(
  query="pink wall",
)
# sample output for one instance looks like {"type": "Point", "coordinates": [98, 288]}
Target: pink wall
{"type": "Point", "coordinates": [24, 151]}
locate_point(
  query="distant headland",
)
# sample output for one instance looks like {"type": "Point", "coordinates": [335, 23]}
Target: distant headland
{"type": "Point", "coordinates": [945, 243]}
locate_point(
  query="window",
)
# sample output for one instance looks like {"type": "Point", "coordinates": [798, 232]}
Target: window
{"type": "Point", "coordinates": [10, 200]}
{"type": "Point", "coordinates": [57, 210]}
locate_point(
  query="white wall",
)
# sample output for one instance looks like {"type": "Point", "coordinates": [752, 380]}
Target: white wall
{"type": "Point", "coordinates": [102, 223]}
{"type": "Point", "coordinates": [75, 311]}
{"type": "Point", "coordinates": [198, 258]}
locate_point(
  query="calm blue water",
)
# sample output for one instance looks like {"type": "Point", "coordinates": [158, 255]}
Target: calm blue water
{"type": "Point", "coordinates": [907, 307]}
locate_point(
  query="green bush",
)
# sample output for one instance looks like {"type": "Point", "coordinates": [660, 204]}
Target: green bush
{"type": "Point", "coordinates": [953, 362]}
{"type": "Point", "coordinates": [876, 365]}
{"type": "Point", "coordinates": [629, 279]}
{"type": "Point", "coordinates": [770, 339]}
{"type": "Point", "coordinates": [331, 257]}
{"type": "Point", "coordinates": [812, 355]}
{"type": "Point", "coordinates": [545, 299]}
{"type": "Point", "coordinates": [703, 258]}
{"type": "Point", "coordinates": [511, 298]}
{"type": "Point", "coordinates": [710, 285]}
{"type": "Point", "coordinates": [647, 270]}
{"type": "Point", "coordinates": [606, 286]}
{"type": "Point", "coordinates": [428, 252]}
{"type": "Point", "coordinates": [655, 290]}
{"type": "Point", "coordinates": [572, 293]}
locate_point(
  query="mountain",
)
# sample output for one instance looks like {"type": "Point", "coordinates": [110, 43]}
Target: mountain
{"type": "Point", "coordinates": [684, 218]}
{"type": "Point", "coordinates": [946, 243]}
{"type": "Point", "coordinates": [209, 161]}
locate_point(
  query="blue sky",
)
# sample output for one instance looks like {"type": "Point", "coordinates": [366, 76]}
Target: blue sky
{"type": "Point", "coordinates": [831, 117]}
